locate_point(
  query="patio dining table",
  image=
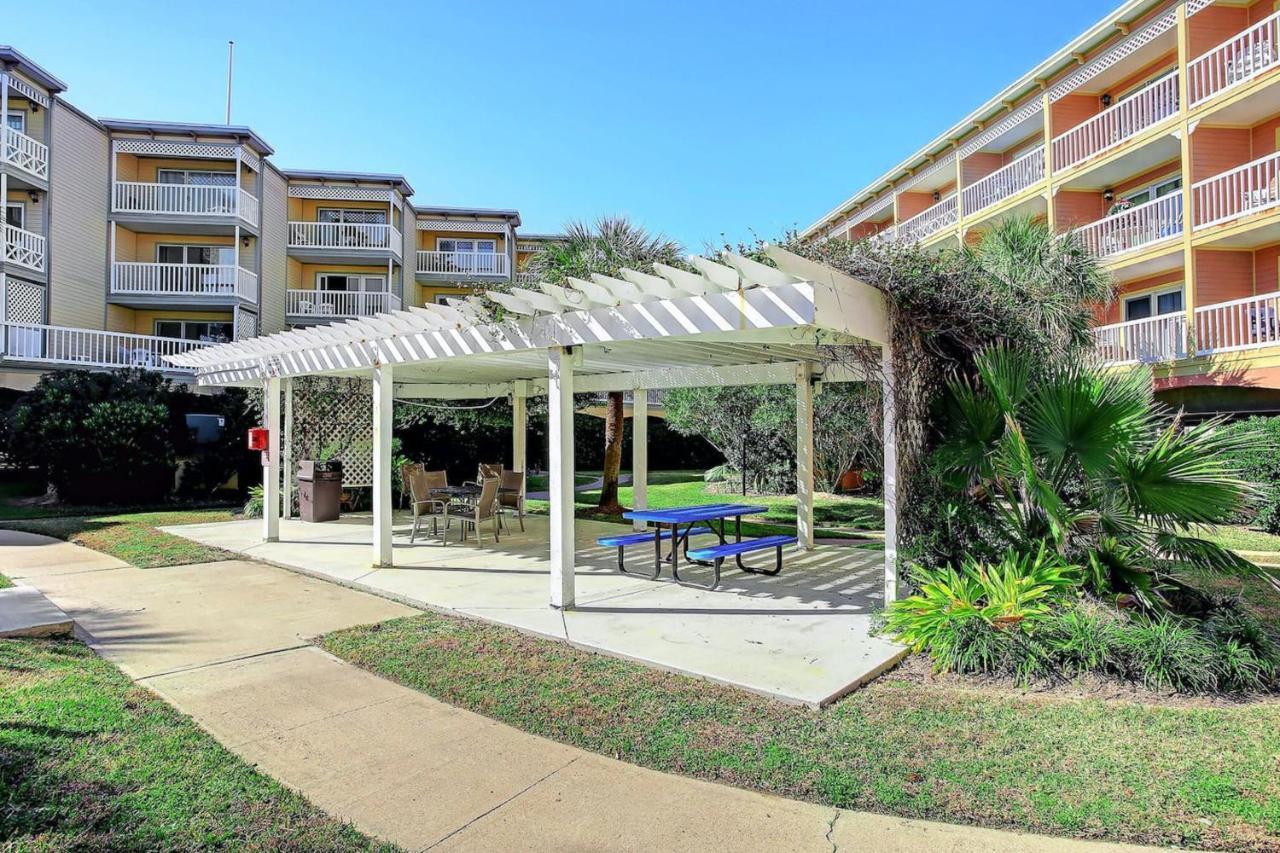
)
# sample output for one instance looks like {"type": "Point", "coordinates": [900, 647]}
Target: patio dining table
{"type": "Point", "coordinates": [682, 520]}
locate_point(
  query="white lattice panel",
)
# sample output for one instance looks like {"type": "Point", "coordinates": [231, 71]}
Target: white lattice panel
{"type": "Point", "coordinates": [338, 193]}
{"type": "Point", "coordinates": [462, 225]}
{"type": "Point", "coordinates": [329, 412]}
{"type": "Point", "coordinates": [246, 324]}
{"type": "Point", "coordinates": [878, 206]}
{"type": "Point", "coordinates": [1194, 6]}
{"type": "Point", "coordinates": [250, 159]}
{"type": "Point", "coordinates": [158, 148]}
{"type": "Point", "coordinates": [1006, 124]}
{"type": "Point", "coordinates": [1132, 43]}
{"type": "Point", "coordinates": [933, 168]}
{"type": "Point", "coordinates": [26, 89]}
{"type": "Point", "coordinates": [25, 301]}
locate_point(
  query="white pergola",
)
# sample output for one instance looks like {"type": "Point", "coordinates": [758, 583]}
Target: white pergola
{"type": "Point", "coordinates": [744, 323]}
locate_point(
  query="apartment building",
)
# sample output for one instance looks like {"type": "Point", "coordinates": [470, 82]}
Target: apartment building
{"type": "Point", "coordinates": [1154, 136]}
{"type": "Point", "coordinates": [126, 241]}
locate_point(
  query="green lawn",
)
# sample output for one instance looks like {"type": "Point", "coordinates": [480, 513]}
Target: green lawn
{"type": "Point", "coordinates": [91, 761]}
{"type": "Point", "coordinates": [5, 583]}
{"type": "Point", "coordinates": [1090, 768]}
{"type": "Point", "coordinates": [133, 536]}
{"type": "Point", "coordinates": [832, 513]}
{"type": "Point", "coordinates": [1242, 538]}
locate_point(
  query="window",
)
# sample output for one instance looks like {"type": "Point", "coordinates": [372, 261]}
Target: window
{"type": "Point", "coordinates": [355, 217]}
{"type": "Point", "coordinates": [15, 214]}
{"type": "Point", "coordinates": [1153, 304]}
{"type": "Point", "coordinates": [195, 330]}
{"type": "Point", "coordinates": [196, 177]}
{"type": "Point", "coordinates": [175, 254]}
{"type": "Point", "coordinates": [1156, 190]}
{"type": "Point", "coordinates": [343, 281]}
{"type": "Point", "coordinates": [452, 245]}
{"type": "Point", "coordinates": [17, 120]}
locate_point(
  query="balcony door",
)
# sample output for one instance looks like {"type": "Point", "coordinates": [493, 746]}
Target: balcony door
{"type": "Point", "coordinates": [196, 177]}
{"type": "Point", "coordinates": [350, 295]}
{"type": "Point", "coordinates": [195, 330]}
{"type": "Point", "coordinates": [1153, 304]}
{"type": "Point", "coordinates": [15, 214]}
{"type": "Point", "coordinates": [204, 279]}
{"type": "Point", "coordinates": [353, 226]}
{"type": "Point", "coordinates": [471, 256]}
{"type": "Point", "coordinates": [17, 120]}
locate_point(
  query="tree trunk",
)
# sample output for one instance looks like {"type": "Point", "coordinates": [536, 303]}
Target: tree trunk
{"type": "Point", "coordinates": [613, 426]}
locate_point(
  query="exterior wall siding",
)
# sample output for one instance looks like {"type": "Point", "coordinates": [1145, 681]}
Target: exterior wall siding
{"type": "Point", "coordinates": [275, 237]}
{"type": "Point", "coordinates": [78, 173]}
{"type": "Point", "coordinates": [1223, 275]}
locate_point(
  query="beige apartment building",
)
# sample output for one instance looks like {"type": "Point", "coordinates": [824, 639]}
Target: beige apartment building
{"type": "Point", "coordinates": [1155, 137]}
{"type": "Point", "coordinates": [125, 241]}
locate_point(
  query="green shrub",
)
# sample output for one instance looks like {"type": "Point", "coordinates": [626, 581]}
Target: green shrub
{"type": "Point", "coordinates": [1083, 637]}
{"type": "Point", "coordinates": [1257, 460]}
{"type": "Point", "coordinates": [257, 498]}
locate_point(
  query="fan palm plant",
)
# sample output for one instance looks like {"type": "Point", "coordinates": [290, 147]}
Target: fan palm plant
{"type": "Point", "coordinates": [612, 243]}
{"type": "Point", "coordinates": [1084, 458]}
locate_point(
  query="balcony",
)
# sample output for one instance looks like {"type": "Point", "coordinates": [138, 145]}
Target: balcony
{"type": "Point", "coordinates": [1120, 122]}
{"type": "Point", "coordinates": [192, 200]}
{"type": "Point", "coordinates": [924, 225]}
{"type": "Point", "coordinates": [1247, 189]}
{"type": "Point", "coordinates": [25, 153]}
{"type": "Point", "coordinates": [1021, 174]}
{"type": "Point", "coordinates": [23, 248]}
{"type": "Point", "coordinates": [1134, 228]}
{"type": "Point", "coordinates": [1154, 339]}
{"type": "Point", "coordinates": [345, 237]}
{"type": "Point", "coordinates": [463, 264]}
{"type": "Point", "coordinates": [90, 348]}
{"type": "Point", "coordinates": [178, 282]}
{"type": "Point", "coordinates": [1240, 324]}
{"type": "Point", "coordinates": [321, 305]}
{"type": "Point", "coordinates": [1234, 62]}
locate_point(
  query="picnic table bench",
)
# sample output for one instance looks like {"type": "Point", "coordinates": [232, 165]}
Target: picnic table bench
{"type": "Point", "coordinates": [677, 524]}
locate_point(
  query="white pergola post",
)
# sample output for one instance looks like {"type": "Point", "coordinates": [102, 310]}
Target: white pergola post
{"type": "Point", "coordinates": [560, 468]}
{"type": "Point", "coordinates": [519, 424]}
{"type": "Point", "coordinates": [286, 451]}
{"type": "Point", "coordinates": [382, 412]}
{"type": "Point", "coordinates": [271, 466]}
{"type": "Point", "coordinates": [804, 457]}
{"type": "Point", "coordinates": [889, 405]}
{"type": "Point", "coordinates": [640, 453]}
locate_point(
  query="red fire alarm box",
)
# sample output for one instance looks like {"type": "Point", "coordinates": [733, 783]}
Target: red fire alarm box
{"type": "Point", "coordinates": [258, 438]}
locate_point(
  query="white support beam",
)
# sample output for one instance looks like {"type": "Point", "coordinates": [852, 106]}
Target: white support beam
{"type": "Point", "coordinates": [271, 466]}
{"type": "Point", "coordinates": [287, 465]}
{"type": "Point", "coordinates": [804, 457]}
{"type": "Point", "coordinates": [560, 468]}
{"type": "Point", "coordinates": [382, 506]}
{"type": "Point", "coordinates": [640, 452]}
{"type": "Point", "coordinates": [890, 477]}
{"type": "Point", "coordinates": [519, 425]}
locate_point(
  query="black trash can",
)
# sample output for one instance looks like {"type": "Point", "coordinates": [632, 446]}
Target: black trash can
{"type": "Point", "coordinates": [319, 491]}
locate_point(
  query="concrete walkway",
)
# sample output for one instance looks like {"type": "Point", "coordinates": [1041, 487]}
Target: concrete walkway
{"type": "Point", "coordinates": [227, 643]}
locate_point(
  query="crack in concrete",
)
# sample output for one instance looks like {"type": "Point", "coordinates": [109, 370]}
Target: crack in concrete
{"type": "Point", "coordinates": [831, 828]}
{"type": "Point", "coordinates": [535, 783]}
{"type": "Point", "coordinates": [197, 666]}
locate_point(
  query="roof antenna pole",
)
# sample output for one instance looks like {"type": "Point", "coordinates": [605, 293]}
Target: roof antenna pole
{"type": "Point", "coordinates": [231, 61]}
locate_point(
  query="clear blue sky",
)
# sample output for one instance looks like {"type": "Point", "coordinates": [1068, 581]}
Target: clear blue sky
{"type": "Point", "coordinates": [697, 119]}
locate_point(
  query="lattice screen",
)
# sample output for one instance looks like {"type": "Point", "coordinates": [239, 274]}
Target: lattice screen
{"type": "Point", "coordinates": [246, 324]}
{"type": "Point", "coordinates": [329, 411]}
{"type": "Point", "coordinates": [25, 302]}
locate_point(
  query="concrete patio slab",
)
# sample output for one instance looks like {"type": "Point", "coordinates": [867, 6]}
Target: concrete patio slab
{"type": "Point", "coordinates": [31, 556]}
{"type": "Point", "coordinates": [803, 636]}
{"type": "Point", "coordinates": [25, 612]}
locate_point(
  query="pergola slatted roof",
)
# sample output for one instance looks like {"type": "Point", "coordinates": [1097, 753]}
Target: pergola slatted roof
{"type": "Point", "coordinates": [740, 322]}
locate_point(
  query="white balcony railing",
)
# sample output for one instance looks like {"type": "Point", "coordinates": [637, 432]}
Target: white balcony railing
{"type": "Point", "coordinates": [463, 263]}
{"type": "Point", "coordinates": [1145, 108]}
{"type": "Point", "coordinates": [24, 152]}
{"type": "Point", "coordinates": [1235, 61]}
{"type": "Point", "coordinates": [1133, 228]}
{"type": "Point", "coordinates": [931, 221]}
{"type": "Point", "coordinates": [344, 235]}
{"type": "Point", "coordinates": [1245, 189]}
{"type": "Point", "coordinates": [149, 279]}
{"type": "Point", "coordinates": [23, 248]}
{"type": "Point", "coordinates": [527, 279]}
{"type": "Point", "coordinates": [185, 200]}
{"type": "Point", "coordinates": [1237, 325]}
{"type": "Point", "coordinates": [90, 347]}
{"type": "Point", "coordinates": [339, 303]}
{"type": "Point", "coordinates": [1025, 172]}
{"type": "Point", "coordinates": [1162, 338]}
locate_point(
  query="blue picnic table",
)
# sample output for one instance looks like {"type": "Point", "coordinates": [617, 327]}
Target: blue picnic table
{"type": "Point", "coordinates": [677, 524]}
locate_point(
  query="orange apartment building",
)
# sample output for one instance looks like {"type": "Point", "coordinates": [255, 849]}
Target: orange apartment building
{"type": "Point", "coordinates": [1155, 137]}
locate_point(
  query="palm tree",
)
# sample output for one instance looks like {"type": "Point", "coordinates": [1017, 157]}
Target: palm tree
{"type": "Point", "coordinates": [1084, 458]}
{"type": "Point", "coordinates": [612, 243]}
